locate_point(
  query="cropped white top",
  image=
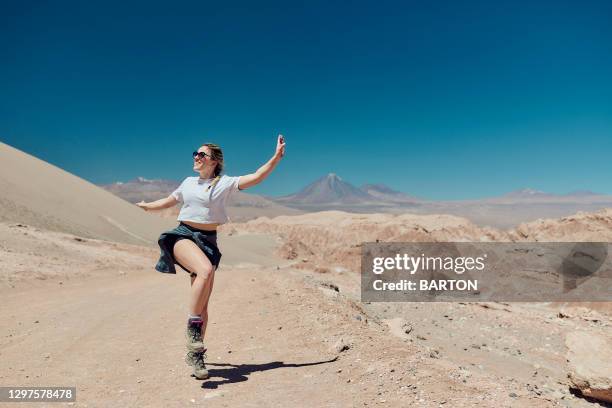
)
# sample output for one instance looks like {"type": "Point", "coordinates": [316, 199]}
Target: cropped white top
{"type": "Point", "coordinates": [204, 205]}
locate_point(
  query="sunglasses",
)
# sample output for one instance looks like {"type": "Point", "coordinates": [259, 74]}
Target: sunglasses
{"type": "Point", "coordinates": [200, 155]}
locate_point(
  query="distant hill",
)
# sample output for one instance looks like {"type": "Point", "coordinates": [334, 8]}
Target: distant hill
{"type": "Point", "coordinates": [141, 188]}
{"type": "Point", "coordinates": [582, 193]}
{"type": "Point", "coordinates": [529, 195]}
{"type": "Point", "coordinates": [331, 192]}
{"type": "Point", "coordinates": [384, 193]}
{"type": "Point", "coordinates": [329, 189]}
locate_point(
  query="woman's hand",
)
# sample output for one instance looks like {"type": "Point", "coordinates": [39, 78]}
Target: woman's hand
{"type": "Point", "coordinates": [143, 205]}
{"type": "Point", "coordinates": [249, 180]}
{"type": "Point", "coordinates": [280, 146]}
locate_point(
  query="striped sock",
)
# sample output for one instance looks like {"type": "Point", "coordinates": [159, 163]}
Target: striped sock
{"type": "Point", "coordinates": [196, 318]}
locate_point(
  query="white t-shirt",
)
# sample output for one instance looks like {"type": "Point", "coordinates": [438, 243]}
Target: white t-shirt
{"type": "Point", "coordinates": [203, 205]}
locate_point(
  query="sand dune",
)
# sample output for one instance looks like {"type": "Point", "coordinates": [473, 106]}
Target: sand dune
{"type": "Point", "coordinates": [39, 194]}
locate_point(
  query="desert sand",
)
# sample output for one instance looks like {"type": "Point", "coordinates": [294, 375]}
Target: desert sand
{"type": "Point", "coordinates": [100, 318]}
{"type": "Point", "coordinates": [39, 194]}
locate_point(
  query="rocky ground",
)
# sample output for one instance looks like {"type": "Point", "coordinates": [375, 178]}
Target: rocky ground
{"type": "Point", "coordinates": [95, 315]}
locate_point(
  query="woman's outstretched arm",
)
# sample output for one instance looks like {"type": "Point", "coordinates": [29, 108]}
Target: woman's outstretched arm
{"type": "Point", "coordinates": [160, 204]}
{"type": "Point", "coordinates": [249, 180]}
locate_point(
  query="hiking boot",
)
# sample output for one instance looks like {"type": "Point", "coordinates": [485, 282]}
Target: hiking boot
{"type": "Point", "coordinates": [194, 335]}
{"type": "Point", "coordinates": [190, 357]}
{"type": "Point", "coordinates": [196, 359]}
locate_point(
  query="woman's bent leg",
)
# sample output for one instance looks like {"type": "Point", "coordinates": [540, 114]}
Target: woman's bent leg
{"type": "Point", "coordinates": [188, 254]}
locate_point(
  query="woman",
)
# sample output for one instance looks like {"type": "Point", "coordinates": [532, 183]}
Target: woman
{"type": "Point", "coordinates": [193, 244]}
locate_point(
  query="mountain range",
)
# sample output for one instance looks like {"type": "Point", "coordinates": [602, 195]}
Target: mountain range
{"type": "Point", "coordinates": [327, 190]}
{"type": "Point", "coordinates": [331, 192]}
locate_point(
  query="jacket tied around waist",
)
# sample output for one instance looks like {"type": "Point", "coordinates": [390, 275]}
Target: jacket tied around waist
{"type": "Point", "coordinates": [205, 240]}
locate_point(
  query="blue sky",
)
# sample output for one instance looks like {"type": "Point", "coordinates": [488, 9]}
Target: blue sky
{"type": "Point", "coordinates": [444, 100]}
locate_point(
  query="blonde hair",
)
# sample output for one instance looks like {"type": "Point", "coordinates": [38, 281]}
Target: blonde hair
{"type": "Point", "coordinates": [215, 154]}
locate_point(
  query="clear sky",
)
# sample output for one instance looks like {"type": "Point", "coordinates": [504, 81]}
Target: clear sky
{"type": "Point", "coordinates": [443, 99]}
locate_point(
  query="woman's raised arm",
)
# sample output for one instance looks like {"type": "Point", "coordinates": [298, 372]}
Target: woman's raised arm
{"type": "Point", "coordinates": [249, 180]}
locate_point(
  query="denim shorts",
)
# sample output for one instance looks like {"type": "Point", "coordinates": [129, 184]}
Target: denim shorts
{"type": "Point", "coordinates": [205, 240]}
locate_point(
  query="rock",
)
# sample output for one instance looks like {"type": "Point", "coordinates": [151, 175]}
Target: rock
{"type": "Point", "coordinates": [341, 345]}
{"type": "Point", "coordinates": [590, 371]}
{"type": "Point", "coordinates": [330, 285]}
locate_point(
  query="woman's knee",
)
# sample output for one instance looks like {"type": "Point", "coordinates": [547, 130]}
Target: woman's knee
{"type": "Point", "coordinates": [204, 272]}
{"type": "Point", "coordinates": [189, 256]}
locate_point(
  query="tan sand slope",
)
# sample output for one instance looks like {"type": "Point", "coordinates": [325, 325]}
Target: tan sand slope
{"type": "Point", "coordinates": [37, 193]}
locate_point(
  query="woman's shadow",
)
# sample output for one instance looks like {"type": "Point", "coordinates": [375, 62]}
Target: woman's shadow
{"type": "Point", "coordinates": [238, 373]}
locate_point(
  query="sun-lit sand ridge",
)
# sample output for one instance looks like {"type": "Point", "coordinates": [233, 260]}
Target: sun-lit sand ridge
{"type": "Point", "coordinates": [39, 194]}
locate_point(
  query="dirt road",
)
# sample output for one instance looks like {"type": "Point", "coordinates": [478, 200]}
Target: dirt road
{"type": "Point", "coordinates": [274, 338]}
